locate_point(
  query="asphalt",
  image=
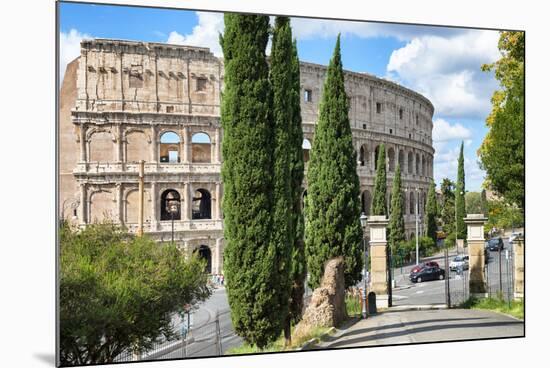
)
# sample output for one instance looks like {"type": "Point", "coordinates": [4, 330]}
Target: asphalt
{"type": "Point", "coordinates": [419, 325]}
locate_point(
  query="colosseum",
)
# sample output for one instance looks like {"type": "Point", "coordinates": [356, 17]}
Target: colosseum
{"type": "Point", "coordinates": [123, 102]}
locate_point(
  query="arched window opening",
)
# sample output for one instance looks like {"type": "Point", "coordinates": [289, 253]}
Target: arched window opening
{"type": "Point", "coordinates": [391, 159]}
{"type": "Point", "coordinates": [202, 203]}
{"type": "Point", "coordinates": [376, 157]}
{"type": "Point", "coordinates": [201, 148]}
{"type": "Point", "coordinates": [205, 253]}
{"type": "Point", "coordinates": [170, 147]}
{"type": "Point", "coordinates": [417, 171]}
{"type": "Point", "coordinates": [366, 202]}
{"type": "Point", "coordinates": [401, 160]}
{"type": "Point", "coordinates": [410, 163]}
{"type": "Point", "coordinates": [362, 156]}
{"type": "Point", "coordinates": [170, 205]}
{"type": "Point", "coordinates": [306, 147]}
{"type": "Point", "coordinates": [411, 203]}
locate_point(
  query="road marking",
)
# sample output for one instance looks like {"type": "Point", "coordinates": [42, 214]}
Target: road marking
{"type": "Point", "coordinates": [419, 292]}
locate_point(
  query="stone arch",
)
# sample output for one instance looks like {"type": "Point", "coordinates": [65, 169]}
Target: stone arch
{"type": "Point", "coordinates": [170, 147]}
{"type": "Point", "coordinates": [102, 206]}
{"type": "Point", "coordinates": [101, 145]}
{"type": "Point", "coordinates": [391, 159]}
{"type": "Point", "coordinates": [401, 160]}
{"type": "Point", "coordinates": [204, 252]}
{"type": "Point", "coordinates": [137, 144]}
{"type": "Point", "coordinates": [362, 155]}
{"type": "Point", "coordinates": [202, 205]}
{"type": "Point", "coordinates": [131, 206]}
{"type": "Point", "coordinates": [417, 164]}
{"type": "Point", "coordinates": [366, 202]}
{"type": "Point", "coordinates": [201, 151]}
{"type": "Point", "coordinates": [306, 147]}
{"type": "Point", "coordinates": [376, 157]}
{"type": "Point", "coordinates": [411, 203]}
{"type": "Point", "coordinates": [410, 164]}
{"type": "Point", "coordinates": [422, 165]}
{"type": "Point", "coordinates": [168, 198]}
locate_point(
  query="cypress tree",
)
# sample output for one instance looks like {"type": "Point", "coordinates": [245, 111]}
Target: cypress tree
{"type": "Point", "coordinates": [283, 235]}
{"type": "Point", "coordinates": [396, 222]}
{"type": "Point", "coordinates": [298, 269]}
{"type": "Point", "coordinates": [379, 196]}
{"type": "Point", "coordinates": [460, 196]}
{"type": "Point", "coordinates": [250, 261]}
{"type": "Point", "coordinates": [431, 213]}
{"type": "Point", "coordinates": [333, 227]}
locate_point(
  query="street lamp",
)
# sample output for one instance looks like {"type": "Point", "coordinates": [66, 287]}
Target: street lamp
{"type": "Point", "coordinates": [416, 223]}
{"type": "Point", "coordinates": [363, 220]}
{"type": "Point", "coordinates": [172, 206]}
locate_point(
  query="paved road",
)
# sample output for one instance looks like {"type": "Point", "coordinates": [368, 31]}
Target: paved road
{"type": "Point", "coordinates": [407, 327]}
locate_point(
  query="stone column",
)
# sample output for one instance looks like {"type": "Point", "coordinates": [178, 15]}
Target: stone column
{"type": "Point", "coordinates": [476, 252]}
{"type": "Point", "coordinates": [519, 275]}
{"type": "Point", "coordinates": [83, 143]}
{"type": "Point", "coordinates": [186, 207]}
{"type": "Point", "coordinates": [186, 145]}
{"type": "Point", "coordinates": [83, 203]}
{"type": "Point", "coordinates": [119, 203]}
{"type": "Point", "coordinates": [379, 282]}
{"type": "Point", "coordinates": [218, 206]}
{"type": "Point", "coordinates": [118, 145]}
{"type": "Point", "coordinates": [154, 216]}
{"type": "Point", "coordinates": [219, 257]}
{"type": "Point", "coordinates": [218, 147]}
{"type": "Point", "coordinates": [154, 145]}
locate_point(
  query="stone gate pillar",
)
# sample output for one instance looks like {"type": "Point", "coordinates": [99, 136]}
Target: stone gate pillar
{"type": "Point", "coordinates": [378, 262]}
{"type": "Point", "coordinates": [476, 252]}
{"type": "Point", "coordinates": [519, 275]}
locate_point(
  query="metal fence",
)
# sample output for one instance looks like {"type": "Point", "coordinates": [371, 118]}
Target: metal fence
{"type": "Point", "coordinates": [499, 275]}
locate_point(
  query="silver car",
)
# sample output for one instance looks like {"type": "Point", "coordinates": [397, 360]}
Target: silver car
{"type": "Point", "coordinates": [462, 262]}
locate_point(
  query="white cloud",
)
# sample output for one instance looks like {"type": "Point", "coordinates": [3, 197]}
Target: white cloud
{"type": "Point", "coordinates": [447, 71]}
{"type": "Point", "coordinates": [205, 33]}
{"type": "Point", "coordinates": [444, 131]}
{"type": "Point", "coordinates": [306, 28]}
{"type": "Point", "coordinates": [446, 166]}
{"type": "Point", "coordinates": [69, 48]}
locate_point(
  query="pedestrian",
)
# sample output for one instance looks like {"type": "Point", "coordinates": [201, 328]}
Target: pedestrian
{"type": "Point", "coordinates": [221, 280]}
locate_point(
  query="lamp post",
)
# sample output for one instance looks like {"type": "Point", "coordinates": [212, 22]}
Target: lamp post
{"type": "Point", "coordinates": [416, 223]}
{"type": "Point", "coordinates": [363, 220]}
{"type": "Point", "coordinates": [173, 208]}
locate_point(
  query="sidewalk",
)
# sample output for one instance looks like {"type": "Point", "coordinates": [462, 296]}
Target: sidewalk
{"type": "Point", "coordinates": [406, 326]}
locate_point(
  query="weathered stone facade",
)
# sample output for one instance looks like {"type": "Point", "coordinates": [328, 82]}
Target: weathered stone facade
{"type": "Point", "coordinates": [125, 101]}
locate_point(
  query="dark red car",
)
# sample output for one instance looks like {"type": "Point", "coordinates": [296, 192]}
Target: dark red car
{"type": "Point", "coordinates": [417, 268]}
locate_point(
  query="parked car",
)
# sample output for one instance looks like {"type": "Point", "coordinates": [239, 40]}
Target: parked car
{"type": "Point", "coordinates": [495, 244]}
{"type": "Point", "coordinates": [425, 264]}
{"type": "Point", "coordinates": [427, 273]}
{"type": "Point", "coordinates": [461, 261]}
{"type": "Point", "coordinates": [514, 236]}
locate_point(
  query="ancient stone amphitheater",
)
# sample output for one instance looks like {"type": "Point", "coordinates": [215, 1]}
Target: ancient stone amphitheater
{"type": "Point", "coordinates": [123, 101]}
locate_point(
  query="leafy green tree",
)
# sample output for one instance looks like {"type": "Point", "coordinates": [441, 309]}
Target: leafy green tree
{"type": "Point", "coordinates": [379, 196]}
{"type": "Point", "coordinates": [503, 215]}
{"type": "Point", "coordinates": [117, 292]}
{"type": "Point", "coordinates": [502, 152]}
{"type": "Point", "coordinates": [252, 265]}
{"type": "Point", "coordinates": [483, 204]}
{"type": "Point", "coordinates": [298, 269]}
{"type": "Point", "coordinates": [333, 227]}
{"type": "Point", "coordinates": [460, 196]}
{"type": "Point", "coordinates": [448, 206]}
{"type": "Point", "coordinates": [431, 214]}
{"type": "Point", "coordinates": [473, 202]}
{"type": "Point", "coordinates": [396, 222]}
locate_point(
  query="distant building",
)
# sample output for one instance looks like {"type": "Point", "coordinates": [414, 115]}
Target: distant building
{"type": "Point", "coordinates": [125, 101]}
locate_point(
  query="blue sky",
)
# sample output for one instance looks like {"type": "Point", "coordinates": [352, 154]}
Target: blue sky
{"type": "Point", "coordinates": [441, 63]}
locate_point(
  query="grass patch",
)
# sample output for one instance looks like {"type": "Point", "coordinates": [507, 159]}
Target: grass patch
{"type": "Point", "coordinates": [279, 344]}
{"type": "Point", "coordinates": [353, 305]}
{"type": "Point", "coordinates": [515, 308]}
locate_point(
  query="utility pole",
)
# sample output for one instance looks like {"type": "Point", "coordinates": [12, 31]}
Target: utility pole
{"type": "Point", "coordinates": [140, 190]}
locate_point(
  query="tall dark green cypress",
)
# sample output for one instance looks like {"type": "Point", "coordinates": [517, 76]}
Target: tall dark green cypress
{"type": "Point", "coordinates": [251, 258]}
{"type": "Point", "coordinates": [298, 269]}
{"type": "Point", "coordinates": [333, 227]}
{"type": "Point", "coordinates": [380, 184]}
{"type": "Point", "coordinates": [431, 213]}
{"type": "Point", "coordinates": [283, 234]}
{"type": "Point", "coordinates": [396, 222]}
{"type": "Point", "coordinates": [460, 196]}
